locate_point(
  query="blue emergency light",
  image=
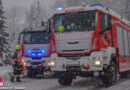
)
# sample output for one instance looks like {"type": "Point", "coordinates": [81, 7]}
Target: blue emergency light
{"type": "Point", "coordinates": [43, 51]}
{"type": "Point", "coordinates": [59, 9]}
{"type": "Point", "coordinates": [94, 5]}
{"type": "Point", "coordinates": [33, 54]}
{"type": "Point", "coordinates": [39, 54]}
{"type": "Point", "coordinates": [29, 51]}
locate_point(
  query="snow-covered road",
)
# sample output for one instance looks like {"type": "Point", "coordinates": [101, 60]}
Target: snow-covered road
{"type": "Point", "coordinates": [78, 84]}
{"type": "Point", "coordinates": [52, 84]}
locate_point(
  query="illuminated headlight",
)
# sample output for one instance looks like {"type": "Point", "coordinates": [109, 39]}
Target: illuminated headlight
{"type": "Point", "coordinates": [97, 62]}
{"type": "Point", "coordinates": [23, 61]}
{"type": "Point", "coordinates": [52, 63]}
{"type": "Point", "coordinates": [24, 64]}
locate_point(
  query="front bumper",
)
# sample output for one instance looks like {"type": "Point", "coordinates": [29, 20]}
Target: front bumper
{"type": "Point", "coordinates": [86, 63]}
{"type": "Point", "coordinates": [34, 62]}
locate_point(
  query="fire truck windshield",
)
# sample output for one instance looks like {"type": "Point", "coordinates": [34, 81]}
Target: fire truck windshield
{"type": "Point", "coordinates": [76, 21]}
{"type": "Point", "coordinates": [36, 37]}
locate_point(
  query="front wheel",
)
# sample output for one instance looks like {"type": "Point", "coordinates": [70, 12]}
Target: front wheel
{"type": "Point", "coordinates": [110, 75]}
{"type": "Point", "coordinates": [65, 79]}
{"type": "Point", "coordinates": [124, 75]}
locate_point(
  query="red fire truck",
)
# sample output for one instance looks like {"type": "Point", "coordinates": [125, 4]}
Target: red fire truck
{"type": "Point", "coordinates": [89, 41]}
{"type": "Point", "coordinates": [35, 43]}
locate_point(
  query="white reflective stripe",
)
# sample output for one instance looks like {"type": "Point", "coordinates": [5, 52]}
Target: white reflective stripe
{"type": "Point", "coordinates": [119, 22]}
{"type": "Point", "coordinates": [123, 64]}
{"type": "Point", "coordinates": [1, 84]}
{"type": "Point", "coordinates": [126, 69]}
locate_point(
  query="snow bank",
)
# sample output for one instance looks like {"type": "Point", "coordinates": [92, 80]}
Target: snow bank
{"type": "Point", "coordinates": [4, 72]}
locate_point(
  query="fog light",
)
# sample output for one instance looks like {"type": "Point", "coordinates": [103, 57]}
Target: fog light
{"type": "Point", "coordinates": [97, 62]}
{"type": "Point", "coordinates": [24, 64]}
{"type": "Point", "coordinates": [22, 60]}
{"type": "Point", "coordinates": [52, 63]}
{"type": "Point", "coordinates": [49, 64]}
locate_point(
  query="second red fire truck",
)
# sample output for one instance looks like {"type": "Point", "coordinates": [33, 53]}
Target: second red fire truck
{"type": "Point", "coordinates": [89, 41]}
{"type": "Point", "coordinates": [35, 43]}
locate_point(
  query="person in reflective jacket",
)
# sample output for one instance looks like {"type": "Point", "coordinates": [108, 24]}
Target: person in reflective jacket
{"type": "Point", "coordinates": [17, 65]}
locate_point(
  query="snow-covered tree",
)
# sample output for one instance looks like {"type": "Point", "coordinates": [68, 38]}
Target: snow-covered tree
{"type": "Point", "coordinates": [34, 15]}
{"type": "Point", "coordinates": [71, 3]}
{"type": "Point", "coordinates": [127, 9]}
{"type": "Point", "coordinates": [13, 22]}
{"type": "Point", "coordinates": [4, 42]}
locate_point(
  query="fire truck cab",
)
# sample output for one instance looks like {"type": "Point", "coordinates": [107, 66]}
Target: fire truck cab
{"type": "Point", "coordinates": [89, 41]}
{"type": "Point", "coordinates": [35, 43]}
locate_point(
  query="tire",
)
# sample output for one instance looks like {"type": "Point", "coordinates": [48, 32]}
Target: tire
{"type": "Point", "coordinates": [31, 74]}
{"type": "Point", "coordinates": [110, 75]}
{"type": "Point", "coordinates": [65, 79]}
{"type": "Point", "coordinates": [124, 75]}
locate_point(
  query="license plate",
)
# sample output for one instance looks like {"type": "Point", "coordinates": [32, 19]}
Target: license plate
{"type": "Point", "coordinates": [34, 66]}
{"type": "Point", "coordinates": [47, 73]}
{"type": "Point", "coordinates": [73, 63]}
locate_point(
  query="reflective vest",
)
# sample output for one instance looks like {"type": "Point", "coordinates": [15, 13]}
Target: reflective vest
{"type": "Point", "coordinates": [19, 60]}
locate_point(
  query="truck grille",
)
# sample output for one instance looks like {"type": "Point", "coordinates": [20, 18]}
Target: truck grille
{"type": "Point", "coordinates": [36, 63]}
{"type": "Point", "coordinates": [73, 68]}
{"type": "Point", "coordinates": [72, 50]}
{"type": "Point", "coordinates": [74, 57]}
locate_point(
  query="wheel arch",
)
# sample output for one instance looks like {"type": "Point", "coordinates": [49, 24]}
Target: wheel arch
{"type": "Point", "coordinates": [114, 59]}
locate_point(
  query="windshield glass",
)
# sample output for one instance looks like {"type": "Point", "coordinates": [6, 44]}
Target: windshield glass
{"type": "Point", "coordinates": [77, 21]}
{"type": "Point", "coordinates": [39, 37]}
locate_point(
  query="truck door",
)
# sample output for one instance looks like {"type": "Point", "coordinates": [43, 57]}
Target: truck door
{"type": "Point", "coordinates": [106, 30]}
{"type": "Point", "coordinates": [129, 47]}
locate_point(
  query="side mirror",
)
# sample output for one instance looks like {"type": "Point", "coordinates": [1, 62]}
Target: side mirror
{"type": "Point", "coordinates": [28, 61]}
{"type": "Point", "coordinates": [101, 32]}
{"type": "Point", "coordinates": [43, 61]}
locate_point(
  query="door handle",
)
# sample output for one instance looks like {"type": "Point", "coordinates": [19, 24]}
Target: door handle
{"type": "Point", "coordinates": [73, 42]}
{"type": "Point", "coordinates": [105, 37]}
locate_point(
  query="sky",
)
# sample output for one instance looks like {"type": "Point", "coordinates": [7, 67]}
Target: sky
{"type": "Point", "coordinates": [22, 3]}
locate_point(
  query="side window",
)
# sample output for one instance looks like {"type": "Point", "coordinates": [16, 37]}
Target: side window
{"type": "Point", "coordinates": [120, 39]}
{"type": "Point", "coordinates": [126, 44]}
{"type": "Point", "coordinates": [105, 21]}
{"type": "Point", "coordinates": [20, 39]}
{"type": "Point", "coordinates": [109, 21]}
{"type": "Point", "coordinates": [129, 41]}
{"type": "Point", "coordinates": [49, 26]}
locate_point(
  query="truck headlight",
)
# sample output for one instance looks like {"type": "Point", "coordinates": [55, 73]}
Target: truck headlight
{"type": "Point", "coordinates": [24, 64]}
{"type": "Point", "coordinates": [52, 63]}
{"type": "Point", "coordinates": [23, 61]}
{"type": "Point", "coordinates": [97, 62]}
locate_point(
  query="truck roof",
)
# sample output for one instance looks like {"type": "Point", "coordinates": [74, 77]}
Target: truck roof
{"type": "Point", "coordinates": [92, 7]}
{"type": "Point", "coordinates": [33, 29]}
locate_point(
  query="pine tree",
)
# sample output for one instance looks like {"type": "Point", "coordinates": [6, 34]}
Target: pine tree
{"type": "Point", "coordinates": [38, 14]}
{"type": "Point", "coordinates": [4, 43]}
{"type": "Point", "coordinates": [71, 3]}
{"type": "Point", "coordinates": [34, 16]}
{"type": "Point", "coordinates": [127, 9]}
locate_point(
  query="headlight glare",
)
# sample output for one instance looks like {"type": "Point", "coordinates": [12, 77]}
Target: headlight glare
{"type": "Point", "coordinates": [97, 62]}
{"type": "Point", "coordinates": [52, 63]}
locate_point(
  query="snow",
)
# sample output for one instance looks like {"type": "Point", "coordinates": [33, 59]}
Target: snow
{"type": "Point", "coordinates": [52, 84]}
{"type": "Point", "coordinates": [4, 70]}
{"type": "Point", "coordinates": [78, 84]}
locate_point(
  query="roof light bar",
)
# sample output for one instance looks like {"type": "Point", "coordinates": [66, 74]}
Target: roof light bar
{"type": "Point", "coordinates": [94, 5]}
{"type": "Point", "coordinates": [59, 9]}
